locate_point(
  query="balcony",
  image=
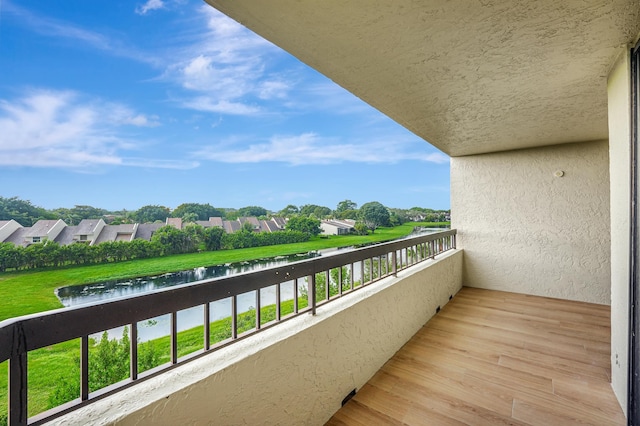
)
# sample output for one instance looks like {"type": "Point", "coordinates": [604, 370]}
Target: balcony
{"type": "Point", "coordinates": [479, 357]}
{"type": "Point", "coordinates": [325, 347]}
{"type": "Point", "coordinates": [492, 357]}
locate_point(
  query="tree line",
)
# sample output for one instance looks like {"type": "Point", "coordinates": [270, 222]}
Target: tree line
{"type": "Point", "coordinates": [25, 213]}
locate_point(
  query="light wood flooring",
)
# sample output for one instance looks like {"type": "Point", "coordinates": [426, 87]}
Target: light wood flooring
{"type": "Point", "coordinates": [496, 358]}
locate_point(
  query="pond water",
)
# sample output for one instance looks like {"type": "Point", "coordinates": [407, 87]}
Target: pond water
{"type": "Point", "coordinates": [81, 294]}
{"type": "Point", "coordinates": [188, 318]}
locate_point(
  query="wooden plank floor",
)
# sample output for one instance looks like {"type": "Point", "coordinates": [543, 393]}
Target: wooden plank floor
{"type": "Point", "coordinates": [496, 358]}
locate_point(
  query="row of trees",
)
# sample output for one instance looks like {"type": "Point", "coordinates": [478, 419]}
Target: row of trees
{"type": "Point", "coordinates": [27, 214]}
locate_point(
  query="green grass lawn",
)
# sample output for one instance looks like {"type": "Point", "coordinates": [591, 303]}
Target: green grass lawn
{"type": "Point", "coordinates": [33, 291]}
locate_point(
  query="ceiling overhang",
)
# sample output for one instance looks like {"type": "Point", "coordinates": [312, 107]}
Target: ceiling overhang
{"type": "Point", "coordinates": [468, 76]}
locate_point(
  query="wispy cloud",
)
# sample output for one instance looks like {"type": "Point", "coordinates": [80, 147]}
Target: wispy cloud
{"type": "Point", "coordinates": [309, 148]}
{"type": "Point", "coordinates": [63, 129]}
{"type": "Point", "coordinates": [227, 69]}
{"type": "Point", "coordinates": [56, 28]}
{"type": "Point", "coordinates": [149, 6]}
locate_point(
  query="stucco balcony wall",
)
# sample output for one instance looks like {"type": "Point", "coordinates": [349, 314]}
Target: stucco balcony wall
{"type": "Point", "coordinates": [295, 373]}
{"type": "Point", "coordinates": [536, 221]}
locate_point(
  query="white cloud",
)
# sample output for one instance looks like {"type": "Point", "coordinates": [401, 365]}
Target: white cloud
{"type": "Point", "coordinates": [149, 5]}
{"type": "Point", "coordinates": [273, 90]}
{"type": "Point", "coordinates": [309, 148]}
{"type": "Point", "coordinates": [51, 27]}
{"type": "Point", "coordinates": [226, 68]}
{"type": "Point", "coordinates": [48, 128]}
{"type": "Point", "coordinates": [207, 104]}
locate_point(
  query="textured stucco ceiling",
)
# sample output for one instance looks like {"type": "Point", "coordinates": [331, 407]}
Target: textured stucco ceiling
{"type": "Point", "coordinates": [468, 76]}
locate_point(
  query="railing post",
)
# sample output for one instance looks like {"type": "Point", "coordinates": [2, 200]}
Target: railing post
{"type": "Point", "coordinates": [258, 310]}
{"type": "Point", "coordinates": [84, 368]}
{"type": "Point", "coordinates": [312, 293]}
{"type": "Point", "coordinates": [174, 337]}
{"type": "Point", "coordinates": [18, 380]}
{"type": "Point", "coordinates": [133, 355]}
{"type": "Point", "coordinates": [394, 263]}
{"type": "Point", "coordinates": [327, 287]}
{"type": "Point", "coordinates": [351, 278]}
{"type": "Point", "coordinates": [207, 326]}
{"type": "Point", "coordinates": [234, 317]}
{"type": "Point", "coordinates": [278, 303]}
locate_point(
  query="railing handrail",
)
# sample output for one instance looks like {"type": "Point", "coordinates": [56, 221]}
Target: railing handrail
{"type": "Point", "coordinates": [30, 332]}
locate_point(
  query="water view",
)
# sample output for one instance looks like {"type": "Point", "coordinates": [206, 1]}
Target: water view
{"type": "Point", "coordinates": [189, 318]}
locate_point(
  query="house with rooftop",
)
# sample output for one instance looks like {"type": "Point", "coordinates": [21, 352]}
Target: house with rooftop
{"type": "Point", "coordinates": [253, 221]}
{"type": "Point", "coordinates": [43, 230]}
{"type": "Point", "coordinates": [176, 222]}
{"type": "Point", "coordinates": [144, 231]}
{"type": "Point", "coordinates": [8, 227]}
{"type": "Point", "coordinates": [537, 106]}
{"type": "Point", "coordinates": [88, 230]}
{"type": "Point", "coordinates": [67, 236]}
{"type": "Point", "coordinates": [123, 232]}
{"type": "Point", "coordinates": [337, 226]}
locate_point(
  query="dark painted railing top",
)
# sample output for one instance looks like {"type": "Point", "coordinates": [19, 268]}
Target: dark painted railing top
{"type": "Point", "coordinates": [20, 335]}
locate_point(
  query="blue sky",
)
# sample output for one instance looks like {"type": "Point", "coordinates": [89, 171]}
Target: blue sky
{"type": "Point", "coordinates": [123, 104]}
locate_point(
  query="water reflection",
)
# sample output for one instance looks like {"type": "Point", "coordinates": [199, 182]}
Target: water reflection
{"type": "Point", "coordinates": [81, 294]}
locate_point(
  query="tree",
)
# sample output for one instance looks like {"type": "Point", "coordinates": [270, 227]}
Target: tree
{"type": "Point", "coordinates": [202, 211]}
{"type": "Point", "coordinates": [152, 213]}
{"type": "Point", "coordinates": [347, 214]}
{"type": "Point", "coordinates": [252, 211]}
{"type": "Point", "coordinates": [10, 256]}
{"type": "Point", "coordinates": [307, 225]}
{"type": "Point", "coordinates": [247, 227]}
{"type": "Point", "coordinates": [212, 238]}
{"type": "Point", "coordinates": [108, 364]}
{"type": "Point", "coordinates": [173, 241]}
{"type": "Point", "coordinates": [315, 210]}
{"type": "Point", "coordinates": [374, 214]}
{"type": "Point", "coordinates": [360, 228]}
{"type": "Point", "coordinates": [289, 211]}
{"type": "Point", "coordinates": [189, 217]}
{"type": "Point", "coordinates": [22, 211]}
{"type": "Point", "coordinates": [346, 205]}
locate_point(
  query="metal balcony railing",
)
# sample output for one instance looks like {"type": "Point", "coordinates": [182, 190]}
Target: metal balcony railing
{"type": "Point", "coordinates": [312, 283]}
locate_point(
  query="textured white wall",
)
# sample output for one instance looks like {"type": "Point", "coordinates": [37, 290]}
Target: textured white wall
{"type": "Point", "coordinates": [293, 374]}
{"type": "Point", "coordinates": [620, 160]}
{"type": "Point", "coordinates": [525, 230]}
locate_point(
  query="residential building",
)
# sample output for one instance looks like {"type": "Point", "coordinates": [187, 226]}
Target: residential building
{"type": "Point", "coordinates": [88, 231]}
{"type": "Point", "coordinates": [337, 226]}
{"type": "Point", "coordinates": [124, 232]}
{"type": "Point", "coordinates": [8, 227]}
{"type": "Point", "coordinates": [43, 230]}
{"type": "Point", "coordinates": [176, 222]}
{"type": "Point", "coordinates": [144, 231]}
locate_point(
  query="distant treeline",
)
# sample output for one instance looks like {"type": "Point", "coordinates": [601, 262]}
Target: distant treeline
{"type": "Point", "coordinates": [26, 214]}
